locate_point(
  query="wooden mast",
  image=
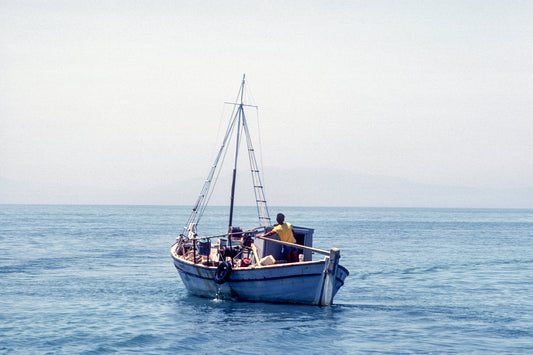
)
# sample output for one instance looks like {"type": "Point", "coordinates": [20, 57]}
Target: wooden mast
{"type": "Point", "coordinates": [240, 118]}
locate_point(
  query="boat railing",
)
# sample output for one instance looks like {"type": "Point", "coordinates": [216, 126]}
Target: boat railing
{"type": "Point", "coordinates": [196, 239]}
{"type": "Point", "coordinates": [227, 234]}
{"type": "Point", "coordinates": [303, 247]}
{"type": "Point", "coordinates": [315, 250]}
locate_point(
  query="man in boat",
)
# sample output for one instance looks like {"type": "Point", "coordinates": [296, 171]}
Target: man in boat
{"type": "Point", "coordinates": [284, 230]}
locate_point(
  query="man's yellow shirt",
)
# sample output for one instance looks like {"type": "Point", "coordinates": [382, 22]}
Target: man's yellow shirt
{"type": "Point", "coordinates": [285, 232]}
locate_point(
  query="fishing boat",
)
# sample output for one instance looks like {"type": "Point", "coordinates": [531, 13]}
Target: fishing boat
{"type": "Point", "coordinates": [242, 264]}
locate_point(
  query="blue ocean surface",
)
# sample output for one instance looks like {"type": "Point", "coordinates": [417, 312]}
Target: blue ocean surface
{"type": "Point", "coordinates": [99, 279]}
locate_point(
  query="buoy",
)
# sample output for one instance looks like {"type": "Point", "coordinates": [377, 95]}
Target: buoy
{"type": "Point", "coordinates": [222, 273]}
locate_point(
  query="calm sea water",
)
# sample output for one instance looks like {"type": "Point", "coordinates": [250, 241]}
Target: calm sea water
{"type": "Point", "coordinates": [99, 279]}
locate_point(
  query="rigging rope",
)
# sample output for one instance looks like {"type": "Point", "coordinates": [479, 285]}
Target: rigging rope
{"type": "Point", "coordinates": [214, 173]}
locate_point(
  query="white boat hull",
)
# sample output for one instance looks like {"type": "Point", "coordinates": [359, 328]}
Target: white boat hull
{"type": "Point", "coordinates": [307, 282]}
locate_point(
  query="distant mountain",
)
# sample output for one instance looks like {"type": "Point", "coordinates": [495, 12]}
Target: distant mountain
{"type": "Point", "coordinates": [338, 188]}
{"type": "Point", "coordinates": [28, 192]}
{"type": "Point", "coordinates": [283, 187]}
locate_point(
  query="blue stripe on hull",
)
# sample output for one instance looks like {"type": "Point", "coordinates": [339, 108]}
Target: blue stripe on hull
{"type": "Point", "coordinates": [246, 280]}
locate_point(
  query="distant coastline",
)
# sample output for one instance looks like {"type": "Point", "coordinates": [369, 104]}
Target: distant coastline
{"type": "Point", "coordinates": [305, 188]}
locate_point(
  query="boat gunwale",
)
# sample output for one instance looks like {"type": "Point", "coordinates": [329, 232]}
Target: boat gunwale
{"type": "Point", "coordinates": [176, 257]}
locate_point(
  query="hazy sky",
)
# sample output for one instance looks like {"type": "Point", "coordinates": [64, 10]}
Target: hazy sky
{"type": "Point", "coordinates": [129, 94]}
